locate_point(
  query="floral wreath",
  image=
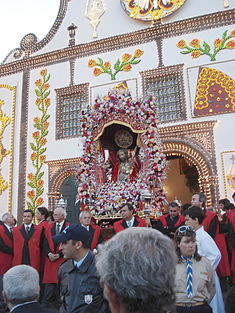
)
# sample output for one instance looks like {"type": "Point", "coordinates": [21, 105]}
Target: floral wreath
{"type": "Point", "coordinates": [108, 196]}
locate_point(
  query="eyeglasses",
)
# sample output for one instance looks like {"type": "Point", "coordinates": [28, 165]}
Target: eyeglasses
{"type": "Point", "coordinates": [184, 228]}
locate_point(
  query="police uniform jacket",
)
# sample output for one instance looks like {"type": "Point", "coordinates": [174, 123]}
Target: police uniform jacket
{"type": "Point", "coordinates": [80, 289]}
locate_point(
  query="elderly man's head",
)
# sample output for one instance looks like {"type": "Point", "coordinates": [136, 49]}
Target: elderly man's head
{"type": "Point", "coordinates": [85, 218]}
{"type": "Point", "coordinates": [137, 268]}
{"type": "Point", "coordinates": [8, 219]}
{"type": "Point", "coordinates": [20, 284]}
{"type": "Point", "coordinates": [59, 214]}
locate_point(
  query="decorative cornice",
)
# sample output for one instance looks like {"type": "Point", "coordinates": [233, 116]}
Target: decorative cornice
{"type": "Point", "coordinates": [63, 162]}
{"type": "Point", "coordinates": [185, 128]}
{"type": "Point", "coordinates": [159, 31]}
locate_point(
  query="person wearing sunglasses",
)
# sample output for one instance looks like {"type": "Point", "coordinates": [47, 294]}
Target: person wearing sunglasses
{"type": "Point", "coordinates": [194, 283]}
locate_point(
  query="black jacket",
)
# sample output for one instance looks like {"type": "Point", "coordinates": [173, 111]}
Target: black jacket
{"type": "Point", "coordinates": [34, 307]}
{"type": "Point", "coordinates": [80, 289]}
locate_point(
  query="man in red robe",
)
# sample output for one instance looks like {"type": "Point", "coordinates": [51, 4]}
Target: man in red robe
{"type": "Point", "coordinates": [211, 225]}
{"type": "Point", "coordinates": [168, 223]}
{"type": "Point", "coordinates": [94, 230]}
{"type": "Point", "coordinates": [54, 257]}
{"type": "Point", "coordinates": [27, 239]}
{"type": "Point", "coordinates": [128, 219]}
{"type": "Point", "coordinates": [6, 251]}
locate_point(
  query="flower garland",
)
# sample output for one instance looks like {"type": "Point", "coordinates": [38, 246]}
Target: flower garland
{"type": "Point", "coordinates": [109, 195]}
{"type": "Point", "coordinates": [196, 49]}
{"type": "Point", "coordinates": [125, 64]}
{"type": "Point", "coordinates": [38, 157]}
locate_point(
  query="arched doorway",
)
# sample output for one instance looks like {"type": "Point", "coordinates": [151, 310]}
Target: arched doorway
{"type": "Point", "coordinates": [62, 181]}
{"type": "Point", "coordinates": [200, 159]}
{"type": "Point", "coordinates": [68, 190]}
{"type": "Point", "coordinates": [182, 179]}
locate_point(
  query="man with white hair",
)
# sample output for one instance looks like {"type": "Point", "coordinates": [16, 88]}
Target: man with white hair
{"type": "Point", "coordinates": [6, 250]}
{"type": "Point", "coordinates": [21, 290]}
{"type": "Point", "coordinates": [94, 230]}
{"type": "Point", "coordinates": [137, 269]}
{"type": "Point", "coordinates": [54, 257]}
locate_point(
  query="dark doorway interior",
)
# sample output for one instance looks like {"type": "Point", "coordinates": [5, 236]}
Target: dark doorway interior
{"type": "Point", "coordinates": [68, 190]}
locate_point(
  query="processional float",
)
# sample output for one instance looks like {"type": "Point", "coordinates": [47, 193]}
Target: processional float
{"type": "Point", "coordinates": [122, 158]}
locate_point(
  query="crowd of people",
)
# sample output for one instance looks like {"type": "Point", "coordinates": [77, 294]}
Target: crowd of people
{"type": "Point", "coordinates": [179, 268]}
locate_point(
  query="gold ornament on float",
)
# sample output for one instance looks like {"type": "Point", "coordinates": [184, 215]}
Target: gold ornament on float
{"type": "Point", "coordinates": [230, 177]}
{"type": "Point", "coordinates": [150, 10]}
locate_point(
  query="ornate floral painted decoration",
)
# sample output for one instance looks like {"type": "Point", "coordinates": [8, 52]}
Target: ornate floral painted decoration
{"type": "Point", "coordinates": [38, 147]}
{"type": "Point", "coordinates": [215, 93]}
{"type": "Point", "coordinates": [4, 122]}
{"type": "Point", "coordinates": [149, 10]}
{"type": "Point", "coordinates": [197, 49]}
{"type": "Point", "coordinates": [125, 64]}
{"type": "Point", "coordinates": [107, 196]}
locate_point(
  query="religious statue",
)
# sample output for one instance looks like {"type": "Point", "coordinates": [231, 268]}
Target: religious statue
{"type": "Point", "coordinates": [126, 167]}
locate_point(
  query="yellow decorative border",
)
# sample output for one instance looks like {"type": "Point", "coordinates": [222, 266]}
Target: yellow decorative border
{"type": "Point", "coordinates": [13, 89]}
{"type": "Point", "coordinates": [223, 171]}
{"type": "Point", "coordinates": [201, 99]}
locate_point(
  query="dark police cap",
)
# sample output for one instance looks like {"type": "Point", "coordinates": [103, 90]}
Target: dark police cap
{"type": "Point", "coordinates": [74, 232]}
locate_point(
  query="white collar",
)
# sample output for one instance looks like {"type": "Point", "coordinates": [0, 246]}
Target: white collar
{"type": "Point", "coordinates": [8, 227]}
{"type": "Point", "coordinates": [29, 225]}
{"type": "Point", "coordinates": [130, 222]}
{"type": "Point", "coordinates": [87, 227]}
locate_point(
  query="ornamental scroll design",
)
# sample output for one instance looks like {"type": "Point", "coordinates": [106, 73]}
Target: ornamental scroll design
{"type": "Point", "coordinates": [204, 139]}
{"type": "Point", "coordinates": [30, 44]}
{"type": "Point", "coordinates": [4, 122]}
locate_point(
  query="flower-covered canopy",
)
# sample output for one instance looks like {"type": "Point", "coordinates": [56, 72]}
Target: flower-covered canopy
{"type": "Point", "coordinates": [118, 109]}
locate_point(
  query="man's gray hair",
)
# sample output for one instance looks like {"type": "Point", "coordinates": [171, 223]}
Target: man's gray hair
{"type": "Point", "coordinates": [83, 212]}
{"type": "Point", "coordinates": [21, 284]}
{"type": "Point", "coordinates": [138, 264]}
{"type": "Point", "coordinates": [61, 211]}
{"type": "Point", "coordinates": [6, 216]}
